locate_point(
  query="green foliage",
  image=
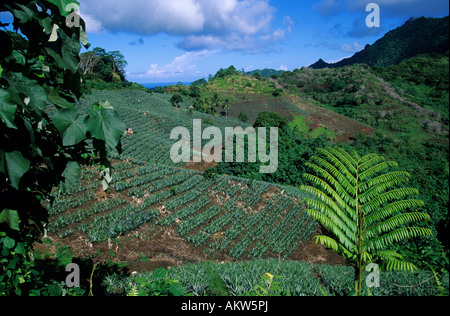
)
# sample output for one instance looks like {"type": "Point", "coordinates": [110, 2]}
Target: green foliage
{"type": "Point", "coordinates": [424, 79]}
{"type": "Point", "coordinates": [230, 71]}
{"type": "Point", "coordinates": [176, 100]}
{"type": "Point", "coordinates": [270, 119]}
{"type": "Point", "coordinates": [270, 286]}
{"type": "Point", "coordinates": [159, 285]}
{"type": "Point", "coordinates": [299, 279]}
{"type": "Point", "coordinates": [104, 70]}
{"type": "Point", "coordinates": [43, 138]}
{"type": "Point", "coordinates": [278, 93]}
{"type": "Point", "coordinates": [363, 206]}
{"type": "Point", "coordinates": [243, 117]}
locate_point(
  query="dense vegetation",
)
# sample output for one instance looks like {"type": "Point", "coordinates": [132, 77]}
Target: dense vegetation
{"type": "Point", "coordinates": [416, 136]}
{"type": "Point", "coordinates": [43, 137]}
{"type": "Point", "coordinates": [396, 109]}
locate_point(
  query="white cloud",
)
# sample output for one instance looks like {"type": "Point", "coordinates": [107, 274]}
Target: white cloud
{"type": "Point", "coordinates": [283, 67]}
{"type": "Point", "coordinates": [92, 25]}
{"type": "Point", "coordinates": [334, 61]}
{"type": "Point", "coordinates": [181, 67]}
{"type": "Point", "coordinates": [355, 47]}
{"type": "Point", "coordinates": [204, 24]}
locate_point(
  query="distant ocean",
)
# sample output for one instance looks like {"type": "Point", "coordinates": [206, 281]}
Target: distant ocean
{"type": "Point", "coordinates": [154, 85]}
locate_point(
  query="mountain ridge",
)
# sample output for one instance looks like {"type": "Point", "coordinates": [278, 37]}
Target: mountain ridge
{"type": "Point", "coordinates": [415, 37]}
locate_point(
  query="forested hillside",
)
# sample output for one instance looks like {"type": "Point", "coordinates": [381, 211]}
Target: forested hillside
{"type": "Point", "coordinates": [415, 37]}
{"type": "Point", "coordinates": [88, 178]}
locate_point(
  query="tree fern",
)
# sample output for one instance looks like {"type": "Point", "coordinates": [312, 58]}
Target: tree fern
{"type": "Point", "coordinates": [364, 206]}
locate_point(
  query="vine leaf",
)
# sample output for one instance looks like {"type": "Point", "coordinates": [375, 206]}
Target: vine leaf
{"type": "Point", "coordinates": [71, 126]}
{"type": "Point", "coordinates": [11, 218]}
{"type": "Point", "coordinates": [14, 166]}
{"type": "Point", "coordinates": [70, 174]}
{"type": "Point", "coordinates": [57, 98]}
{"type": "Point", "coordinates": [7, 110]}
{"type": "Point", "coordinates": [106, 125]}
{"type": "Point", "coordinates": [28, 93]}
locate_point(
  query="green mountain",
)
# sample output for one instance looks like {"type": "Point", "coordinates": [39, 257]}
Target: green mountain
{"type": "Point", "coordinates": [415, 37]}
{"type": "Point", "coordinates": [266, 72]}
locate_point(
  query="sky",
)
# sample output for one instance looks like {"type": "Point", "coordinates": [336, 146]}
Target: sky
{"type": "Point", "coordinates": [185, 40]}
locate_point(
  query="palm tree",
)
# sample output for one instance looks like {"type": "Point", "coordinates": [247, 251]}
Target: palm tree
{"type": "Point", "coordinates": [226, 104]}
{"type": "Point", "coordinates": [365, 208]}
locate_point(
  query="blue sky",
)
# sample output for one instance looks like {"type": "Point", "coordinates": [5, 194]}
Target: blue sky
{"type": "Point", "coordinates": [185, 40]}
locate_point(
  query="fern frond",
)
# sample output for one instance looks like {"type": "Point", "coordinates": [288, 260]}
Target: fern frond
{"type": "Point", "coordinates": [388, 255]}
{"type": "Point", "coordinates": [322, 197]}
{"type": "Point", "coordinates": [399, 235]}
{"type": "Point", "coordinates": [351, 159]}
{"type": "Point", "coordinates": [343, 168]}
{"type": "Point", "coordinates": [360, 203]}
{"type": "Point", "coordinates": [332, 227]}
{"type": "Point", "coordinates": [134, 291]}
{"type": "Point", "coordinates": [336, 215]}
{"type": "Point", "coordinates": [397, 221]}
{"type": "Point", "coordinates": [330, 243]}
{"type": "Point", "coordinates": [335, 178]}
{"type": "Point", "coordinates": [380, 200]}
{"type": "Point", "coordinates": [392, 208]}
{"type": "Point", "coordinates": [398, 265]}
{"type": "Point", "coordinates": [335, 195]}
{"type": "Point", "coordinates": [383, 183]}
{"type": "Point", "coordinates": [377, 169]}
{"type": "Point", "coordinates": [398, 177]}
{"type": "Point", "coordinates": [367, 158]}
{"type": "Point", "coordinates": [349, 162]}
{"type": "Point", "coordinates": [369, 161]}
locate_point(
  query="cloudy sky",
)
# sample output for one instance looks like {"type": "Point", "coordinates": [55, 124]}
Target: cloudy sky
{"type": "Point", "coordinates": [185, 40]}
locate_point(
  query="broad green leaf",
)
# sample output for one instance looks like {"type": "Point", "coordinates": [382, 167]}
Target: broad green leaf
{"type": "Point", "coordinates": [105, 124]}
{"type": "Point", "coordinates": [83, 37]}
{"type": "Point", "coordinates": [9, 242]}
{"type": "Point", "coordinates": [176, 290]}
{"type": "Point", "coordinates": [56, 98]}
{"type": "Point", "coordinates": [11, 218]}
{"type": "Point", "coordinates": [14, 166]}
{"type": "Point", "coordinates": [106, 178]}
{"type": "Point", "coordinates": [71, 174]}
{"type": "Point", "coordinates": [65, 6]}
{"type": "Point", "coordinates": [160, 274]}
{"type": "Point", "coordinates": [28, 92]}
{"type": "Point", "coordinates": [65, 55]}
{"type": "Point", "coordinates": [7, 109]}
{"type": "Point", "coordinates": [71, 126]}
{"type": "Point", "coordinates": [47, 25]}
{"type": "Point", "coordinates": [24, 15]}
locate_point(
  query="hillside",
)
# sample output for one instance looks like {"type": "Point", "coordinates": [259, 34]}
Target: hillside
{"type": "Point", "coordinates": [415, 37]}
{"type": "Point", "coordinates": [153, 197]}
{"type": "Point", "coordinates": [306, 179]}
{"type": "Point", "coordinates": [395, 104]}
{"type": "Point", "coordinates": [400, 111]}
{"type": "Point", "coordinates": [161, 214]}
{"type": "Point", "coordinates": [171, 214]}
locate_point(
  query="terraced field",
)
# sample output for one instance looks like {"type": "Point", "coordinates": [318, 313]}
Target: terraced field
{"type": "Point", "coordinates": [162, 206]}
{"type": "Point", "coordinates": [231, 216]}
